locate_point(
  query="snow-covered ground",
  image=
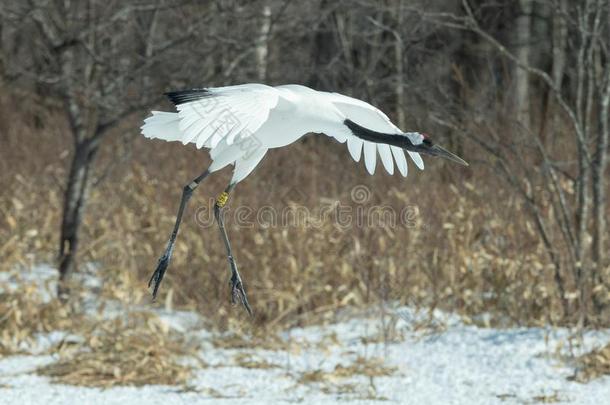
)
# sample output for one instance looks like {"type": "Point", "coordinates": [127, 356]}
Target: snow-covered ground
{"type": "Point", "coordinates": [409, 358]}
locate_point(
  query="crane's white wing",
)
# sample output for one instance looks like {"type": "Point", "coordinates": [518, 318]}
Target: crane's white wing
{"type": "Point", "coordinates": [374, 119]}
{"type": "Point", "coordinates": [207, 116]}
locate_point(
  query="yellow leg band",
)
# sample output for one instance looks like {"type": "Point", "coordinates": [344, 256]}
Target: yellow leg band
{"type": "Point", "coordinates": [222, 199]}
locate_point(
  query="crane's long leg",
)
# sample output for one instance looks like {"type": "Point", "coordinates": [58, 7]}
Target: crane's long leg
{"type": "Point", "coordinates": [237, 287]}
{"type": "Point", "coordinates": [187, 192]}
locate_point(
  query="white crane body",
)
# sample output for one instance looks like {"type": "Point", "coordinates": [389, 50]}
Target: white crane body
{"type": "Point", "coordinates": [239, 124]}
{"type": "Point", "coordinates": [222, 119]}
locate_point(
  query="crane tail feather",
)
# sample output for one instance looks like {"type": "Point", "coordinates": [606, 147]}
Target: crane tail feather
{"type": "Point", "coordinates": [162, 125]}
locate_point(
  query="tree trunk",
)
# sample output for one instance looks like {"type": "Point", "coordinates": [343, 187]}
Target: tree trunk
{"type": "Point", "coordinates": [74, 202]}
{"type": "Point", "coordinates": [559, 32]}
{"type": "Point", "coordinates": [599, 183]}
{"type": "Point", "coordinates": [399, 60]}
{"type": "Point", "coordinates": [521, 76]}
{"type": "Point", "coordinates": [323, 51]}
{"type": "Point", "coordinates": [262, 48]}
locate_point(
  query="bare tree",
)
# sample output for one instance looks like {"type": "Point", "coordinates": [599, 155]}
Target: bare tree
{"type": "Point", "coordinates": [559, 30]}
{"type": "Point", "coordinates": [262, 48]}
{"type": "Point", "coordinates": [585, 108]}
{"type": "Point", "coordinates": [101, 64]}
{"type": "Point", "coordinates": [523, 28]}
{"type": "Point", "coordinates": [450, 62]}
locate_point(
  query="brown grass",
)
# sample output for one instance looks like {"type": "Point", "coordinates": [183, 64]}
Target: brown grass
{"type": "Point", "coordinates": [593, 365]}
{"type": "Point", "coordinates": [24, 313]}
{"type": "Point", "coordinates": [332, 382]}
{"type": "Point", "coordinates": [135, 351]}
{"type": "Point", "coordinates": [471, 247]}
{"type": "Point", "coordinates": [553, 398]}
{"type": "Point", "coordinates": [262, 339]}
{"type": "Point", "coordinates": [368, 367]}
{"type": "Point", "coordinates": [248, 360]}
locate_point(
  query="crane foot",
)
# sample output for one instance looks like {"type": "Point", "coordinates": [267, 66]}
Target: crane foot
{"type": "Point", "coordinates": [162, 265]}
{"type": "Point", "coordinates": [238, 293]}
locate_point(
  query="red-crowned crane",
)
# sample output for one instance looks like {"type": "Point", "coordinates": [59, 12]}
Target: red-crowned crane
{"type": "Point", "coordinates": [240, 123]}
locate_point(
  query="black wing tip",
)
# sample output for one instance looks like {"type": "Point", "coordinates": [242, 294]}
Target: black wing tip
{"type": "Point", "coordinates": [351, 125]}
{"type": "Point", "coordinates": [364, 133]}
{"type": "Point", "coordinates": [186, 96]}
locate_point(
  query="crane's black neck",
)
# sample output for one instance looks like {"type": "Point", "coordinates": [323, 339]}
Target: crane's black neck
{"type": "Point", "coordinates": [366, 134]}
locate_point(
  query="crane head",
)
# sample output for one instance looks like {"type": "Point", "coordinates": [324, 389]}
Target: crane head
{"type": "Point", "coordinates": [421, 143]}
{"type": "Point", "coordinates": [411, 141]}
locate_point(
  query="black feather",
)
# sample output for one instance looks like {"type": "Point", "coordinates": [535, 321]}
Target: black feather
{"type": "Point", "coordinates": [186, 96]}
{"type": "Point", "coordinates": [378, 137]}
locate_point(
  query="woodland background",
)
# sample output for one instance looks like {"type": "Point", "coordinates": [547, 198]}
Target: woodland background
{"type": "Point", "coordinates": [520, 89]}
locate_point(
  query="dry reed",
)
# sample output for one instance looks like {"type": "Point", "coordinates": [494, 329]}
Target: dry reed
{"type": "Point", "coordinates": [24, 314]}
{"type": "Point", "coordinates": [136, 350]}
{"type": "Point", "coordinates": [470, 246]}
{"type": "Point", "coordinates": [593, 365]}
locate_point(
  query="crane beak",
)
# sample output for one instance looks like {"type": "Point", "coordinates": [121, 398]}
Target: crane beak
{"type": "Point", "coordinates": [439, 151]}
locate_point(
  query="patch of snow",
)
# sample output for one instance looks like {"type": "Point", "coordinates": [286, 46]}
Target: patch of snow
{"type": "Point", "coordinates": [43, 276]}
{"type": "Point", "coordinates": [461, 364]}
{"type": "Point", "coordinates": [47, 341]}
{"type": "Point", "coordinates": [435, 358]}
{"type": "Point", "coordinates": [180, 321]}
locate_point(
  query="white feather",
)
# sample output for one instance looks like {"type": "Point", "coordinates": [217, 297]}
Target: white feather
{"type": "Point", "coordinates": [370, 156]}
{"type": "Point", "coordinates": [401, 161]}
{"type": "Point", "coordinates": [386, 157]}
{"type": "Point", "coordinates": [417, 160]}
{"type": "Point", "coordinates": [366, 115]}
{"type": "Point", "coordinates": [226, 112]}
{"type": "Point", "coordinates": [240, 123]}
{"type": "Point", "coordinates": [354, 145]}
{"type": "Point", "coordinates": [162, 125]}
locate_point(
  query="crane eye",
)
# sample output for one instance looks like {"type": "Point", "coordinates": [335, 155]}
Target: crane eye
{"type": "Point", "coordinates": [427, 141]}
